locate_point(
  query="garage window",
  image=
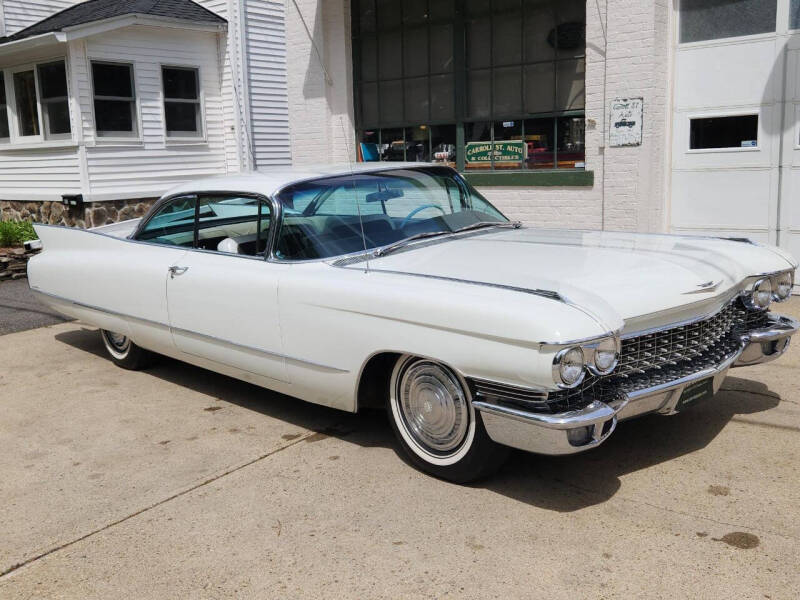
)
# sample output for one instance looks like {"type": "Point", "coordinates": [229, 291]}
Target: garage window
{"type": "Point", "coordinates": [114, 99]}
{"type": "Point", "coordinates": [717, 19]}
{"type": "Point", "coordinates": [740, 131]}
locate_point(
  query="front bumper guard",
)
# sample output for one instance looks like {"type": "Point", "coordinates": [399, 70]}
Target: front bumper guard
{"type": "Point", "coordinates": [575, 431]}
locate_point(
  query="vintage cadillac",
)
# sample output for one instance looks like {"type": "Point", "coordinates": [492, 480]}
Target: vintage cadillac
{"type": "Point", "coordinates": [399, 285]}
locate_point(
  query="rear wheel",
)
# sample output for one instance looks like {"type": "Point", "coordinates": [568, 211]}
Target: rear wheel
{"type": "Point", "coordinates": [124, 352]}
{"type": "Point", "coordinates": [431, 413]}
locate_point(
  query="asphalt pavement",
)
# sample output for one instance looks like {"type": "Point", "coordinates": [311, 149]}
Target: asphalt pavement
{"type": "Point", "coordinates": [19, 310]}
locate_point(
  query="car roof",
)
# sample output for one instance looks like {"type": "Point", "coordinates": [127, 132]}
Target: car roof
{"type": "Point", "coordinates": [270, 180]}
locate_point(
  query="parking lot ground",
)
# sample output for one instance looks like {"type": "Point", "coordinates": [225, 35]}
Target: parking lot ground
{"type": "Point", "coordinates": [19, 310]}
{"type": "Point", "coordinates": [180, 483]}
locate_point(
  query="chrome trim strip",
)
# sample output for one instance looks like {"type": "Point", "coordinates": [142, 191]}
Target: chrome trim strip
{"type": "Point", "coordinates": [192, 333]}
{"type": "Point", "coordinates": [99, 309]}
{"type": "Point", "coordinates": [535, 292]}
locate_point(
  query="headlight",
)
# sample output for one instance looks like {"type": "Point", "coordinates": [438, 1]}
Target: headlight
{"type": "Point", "coordinates": [783, 285]}
{"type": "Point", "coordinates": [760, 294]}
{"type": "Point", "coordinates": [568, 367]}
{"type": "Point", "coordinates": [605, 357]}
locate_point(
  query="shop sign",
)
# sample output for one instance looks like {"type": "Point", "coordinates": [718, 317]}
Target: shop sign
{"type": "Point", "coordinates": [484, 152]}
{"type": "Point", "coordinates": [625, 122]}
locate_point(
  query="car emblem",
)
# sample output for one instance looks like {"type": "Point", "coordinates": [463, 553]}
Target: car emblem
{"type": "Point", "coordinates": [708, 286]}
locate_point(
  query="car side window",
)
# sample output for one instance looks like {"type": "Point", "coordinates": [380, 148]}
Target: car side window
{"type": "Point", "coordinates": [172, 224]}
{"type": "Point", "coordinates": [233, 224]}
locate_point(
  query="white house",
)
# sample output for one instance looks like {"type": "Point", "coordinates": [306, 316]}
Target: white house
{"type": "Point", "coordinates": [108, 103]}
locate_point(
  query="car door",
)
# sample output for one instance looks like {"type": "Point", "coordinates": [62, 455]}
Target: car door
{"type": "Point", "coordinates": [223, 296]}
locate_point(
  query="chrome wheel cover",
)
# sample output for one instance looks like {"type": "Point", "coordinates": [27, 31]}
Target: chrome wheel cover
{"type": "Point", "coordinates": [434, 407]}
{"type": "Point", "coordinates": [117, 341]}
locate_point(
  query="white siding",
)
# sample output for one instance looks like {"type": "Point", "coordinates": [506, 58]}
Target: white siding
{"type": "Point", "coordinates": [151, 165]}
{"type": "Point", "coordinates": [20, 14]}
{"type": "Point", "coordinates": [265, 32]}
{"type": "Point", "coordinates": [230, 60]}
{"type": "Point", "coordinates": [39, 174]}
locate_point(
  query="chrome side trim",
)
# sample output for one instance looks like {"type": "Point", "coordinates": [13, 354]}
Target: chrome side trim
{"type": "Point", "coordinates": [99, 309]}
{"type": "Point", "coordinates": [192, 333]}
{"type": "Point", "coordinates": [535, 292]}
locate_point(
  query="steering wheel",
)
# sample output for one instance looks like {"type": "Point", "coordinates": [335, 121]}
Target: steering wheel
{"type": "Point", "coordinates": [420, 209]}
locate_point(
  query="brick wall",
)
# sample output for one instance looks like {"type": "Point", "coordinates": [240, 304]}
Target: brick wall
{"type": "Point", "coordinates": [629, 191]}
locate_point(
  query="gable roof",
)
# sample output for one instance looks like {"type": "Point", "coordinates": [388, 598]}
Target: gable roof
{"type": "Point", "coordinates": [97, 10]}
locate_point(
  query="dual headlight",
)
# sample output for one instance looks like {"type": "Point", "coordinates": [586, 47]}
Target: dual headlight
{"type": "Point", "coordinates": [778, 287]}
{"type": "Point", "coordinates": [599, 356]}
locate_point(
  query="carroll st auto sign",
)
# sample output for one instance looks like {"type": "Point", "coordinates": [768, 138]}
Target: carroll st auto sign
{"type": "Point", "coordinates": [484, 152]}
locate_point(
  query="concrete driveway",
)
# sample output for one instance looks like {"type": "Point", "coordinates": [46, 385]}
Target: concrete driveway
{"type": "Point", "coordinates": [179, 483]}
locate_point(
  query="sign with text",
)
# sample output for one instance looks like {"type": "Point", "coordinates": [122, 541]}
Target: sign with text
{"type": "Point", "coordinates": [484, 152]}
{"type": "Point", "coordinates": [625, 122]}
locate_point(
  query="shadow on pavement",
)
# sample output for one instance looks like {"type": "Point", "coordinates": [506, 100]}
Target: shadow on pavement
{"type": "Point", "coordinates": [562, 484]}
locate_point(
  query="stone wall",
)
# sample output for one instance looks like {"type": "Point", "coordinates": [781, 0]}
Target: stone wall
{"type": "Point", "coordinates": [93, 214]}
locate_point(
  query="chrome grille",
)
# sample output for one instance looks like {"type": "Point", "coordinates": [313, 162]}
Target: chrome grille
{"type": "Point", "coordinates": [493, 392]}
{"type": "Point", "coordinates": [665, 356]}
{"type": "Point", "coordinates": [671, 346]}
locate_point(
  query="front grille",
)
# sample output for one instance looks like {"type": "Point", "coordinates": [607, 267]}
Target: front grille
{"type": "Point", "coordinates": [501, 393]}
{"type": "Point", "coordinates": [666, 356]}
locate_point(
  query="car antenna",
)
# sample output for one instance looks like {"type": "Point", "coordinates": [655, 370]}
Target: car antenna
{"type": "Point", "coordinates": [350, 158]}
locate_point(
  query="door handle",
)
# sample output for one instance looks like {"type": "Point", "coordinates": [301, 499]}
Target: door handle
{"type": "Point", "coordinates": [177, 271]}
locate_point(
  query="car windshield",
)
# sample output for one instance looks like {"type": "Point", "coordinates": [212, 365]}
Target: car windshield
{"type": "Point", "coordinates": [345, 214]}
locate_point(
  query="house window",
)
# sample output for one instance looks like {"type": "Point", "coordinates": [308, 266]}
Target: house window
{"type": "Point", "coordinates": [794, 15]}
{"type": "Point", "coordinates": [717, 19]}
{"type": "Point", "coordinates": [114, 100]}
{"type": "Point", "coordinates": [54, 99]}
{"type": "Point", "coordinates": [4, 133]}
{"type": "Point", "coordinates": [182, 111]}
{"type": "Point", "coordinates": [478, 84]}
{"type": "Point", "coordinates": [740, 131]}
{"type": "Point", "coordinates": [27, 106]}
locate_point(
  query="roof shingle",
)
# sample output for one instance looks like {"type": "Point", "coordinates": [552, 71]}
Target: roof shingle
{"type": "Point", "coordinates": [96, 10]}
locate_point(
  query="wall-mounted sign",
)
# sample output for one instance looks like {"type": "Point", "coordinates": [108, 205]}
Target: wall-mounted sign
{"type": "Point", "coordinates": [483, 152]}
{"type": "Point", "coordinates": [625, 122]}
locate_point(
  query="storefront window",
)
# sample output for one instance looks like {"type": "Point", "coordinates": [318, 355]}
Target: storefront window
{"type": "Point", "coordinates": [481, 84]}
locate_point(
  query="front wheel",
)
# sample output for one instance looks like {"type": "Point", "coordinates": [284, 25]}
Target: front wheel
{"type": "Point", "coordinates": [431, 413]}
{"type": "Point", "coordinates": [124, 352]}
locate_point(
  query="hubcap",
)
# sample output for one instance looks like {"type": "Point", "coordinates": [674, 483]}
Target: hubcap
{"type": "Point", "coordinates": [118, 341]}
{"type": "Point", "coordinates": [433, 406]}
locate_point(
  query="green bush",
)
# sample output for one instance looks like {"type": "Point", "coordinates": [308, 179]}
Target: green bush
{"type": "Point", "coordinates": [13, 233]}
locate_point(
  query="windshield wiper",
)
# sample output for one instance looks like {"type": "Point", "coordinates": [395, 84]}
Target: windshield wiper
{"type": "Point", "coordinates": [405, 241]}
{"type": "Point", "coordinates": [482, 224]}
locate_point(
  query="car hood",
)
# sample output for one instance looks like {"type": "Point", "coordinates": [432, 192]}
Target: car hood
{"type": "Point", "coordinates": [618, 277]}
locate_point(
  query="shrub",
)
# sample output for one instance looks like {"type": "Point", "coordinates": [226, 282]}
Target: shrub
{"type": "Point", "coordinates": [13, 233]}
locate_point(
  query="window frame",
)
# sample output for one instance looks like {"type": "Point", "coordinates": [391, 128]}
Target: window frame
{"type": "Point", "coordinates": [184, 136]}
{"type": "Point", "coordinates": [6, 140]}
{"type": "Point", "coordinates": [112, 136]}
{"type": "Point", "coordinates": [274, 214]}
{"type": "Point", "coordinates": [460, 72]}
{"type": "Point", "coordinates": [15, 140]}
{"type": "Point", "coordinates": [717, 115]}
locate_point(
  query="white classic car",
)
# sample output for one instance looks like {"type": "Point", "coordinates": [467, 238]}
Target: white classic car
{"type": "Point", "coordinates": [400, 285]}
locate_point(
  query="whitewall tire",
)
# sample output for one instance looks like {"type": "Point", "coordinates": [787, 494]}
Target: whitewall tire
{"type": "Point", "coordinates": [124, 352]}
{"type": "Point", "coordinates": [430, 410]}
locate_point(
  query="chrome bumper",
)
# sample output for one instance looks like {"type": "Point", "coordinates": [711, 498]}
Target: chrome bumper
{"type": "Point", "coordinates": [579, 430]}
